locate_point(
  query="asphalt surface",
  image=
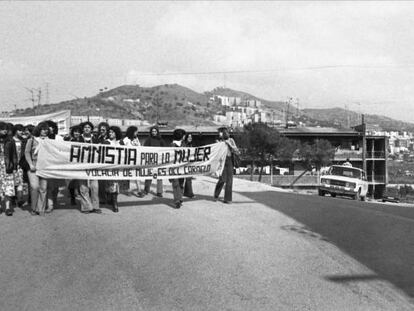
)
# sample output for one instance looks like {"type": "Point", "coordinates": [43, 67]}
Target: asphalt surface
{"type": "Point", "coordinates": [269, 250]}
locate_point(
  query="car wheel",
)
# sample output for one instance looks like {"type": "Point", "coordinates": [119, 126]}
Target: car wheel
{"type": "Point", "coordinates": [333, 195]}
{"type": "Point", "coordinates": [321, 192]}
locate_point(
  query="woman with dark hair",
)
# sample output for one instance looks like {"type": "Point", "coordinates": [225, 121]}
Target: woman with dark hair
{"type": "Point", "coordinates": [188, 182]}
{"type": "Point", "coordinates": [112, 187]}
{"type": "Point", "coordinates": [154, 140]}
{"type": "Point", "coordinates": [53, 183]}
{"type": "Point", "coordinates": [38, 185]}
{"type": "Point", "coordinates": [227, 174]}
{"type": "Point", "coordinates": [9, 127]}
{"type": "Point", "coordinates": [102, 138]}
{"type": "Point", "coordinates": [7, 164]}
{"type": "Point", "coordinates": [89, 189]}
{"type": "Point", "coordinates": [13, 147]}
{"type": "Point", "coordinates": [131, 139]}
{"type": "Point", "coordinates": [75, 134]}
{"type": "Point", "coordinates": [27, 134]}
{"type": "Point", "coordinates": [73, 186]}
{"type": "Point", "coordinates": [54, 130]}
{"type": "Point", "coordinates": [103, 129]}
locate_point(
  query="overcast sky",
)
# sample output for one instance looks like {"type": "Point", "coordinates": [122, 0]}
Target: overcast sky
{"type": "Point", "coordinates": [326, 54]}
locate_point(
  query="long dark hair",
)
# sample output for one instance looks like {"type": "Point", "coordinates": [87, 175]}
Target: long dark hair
{"type": "Point", "coordinates": [131, 131]}
{"type": "Point", "coordinates": [117, 130]}
{"type": "Point", "coordinates": [39, 127]}
{"type": "Point", "coordinates": [186, 142]}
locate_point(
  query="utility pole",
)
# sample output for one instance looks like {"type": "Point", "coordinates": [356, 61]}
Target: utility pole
{"type": "Point", "coordinates": [32, 99]}
{"type": "Point", "coordinates": [348, 125]}
{"type": "Point", "coordinates": [364, 144]}
{"type": "Point", "coordinates": [47, 93]}
{"type": "Point", "coordinates": [39, 97]}
{"type": "Point", "coordinates": [287, 112]}
{"type": "Point", "coordinates": [157, 102]}
{"type": "Point", "coordinates": [297, 107]}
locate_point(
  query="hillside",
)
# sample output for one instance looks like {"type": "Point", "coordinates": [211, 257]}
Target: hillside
{"type": "Point", "coordinates": [174, 104]}
{"type": "Point", "coordinates": [339, 117]}
{"type": "Point", "coordinates": [179, 105]}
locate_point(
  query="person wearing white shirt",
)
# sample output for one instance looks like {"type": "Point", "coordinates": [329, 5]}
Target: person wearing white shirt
{"type": "Point", "coordinates": [131, 139]}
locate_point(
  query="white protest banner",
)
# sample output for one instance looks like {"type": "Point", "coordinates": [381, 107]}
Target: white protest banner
{"type": "Point", "coordinates": [62, 118]}
{"type": "Point", "coordinates": [72, 160]}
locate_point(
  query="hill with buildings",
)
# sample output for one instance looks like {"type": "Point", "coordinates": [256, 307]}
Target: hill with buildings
{"type": "Point", "coordinates": [179, 105]}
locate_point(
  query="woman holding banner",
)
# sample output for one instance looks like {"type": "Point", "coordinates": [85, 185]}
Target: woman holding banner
{"type": "Point", "coordinates": [227, 174]}
{"type": "Point", "coordinates": [89, 189]}
{"type": "Point", "coordinates": [112, 187]}
{"type": "Point", "coordinates": [73, 186]}
{"type": "Point", "coordinates": [154, 140]}
{"type": "Point", "coordinates": [188, 183]}
{"type": "Point", "coordinates": [131, 139]}
{"type": "Point", "coordinates": [38, 185]}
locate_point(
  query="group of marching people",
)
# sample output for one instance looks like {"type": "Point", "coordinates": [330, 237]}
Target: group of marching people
{"type": "Point", "coordinates": [19, 146]}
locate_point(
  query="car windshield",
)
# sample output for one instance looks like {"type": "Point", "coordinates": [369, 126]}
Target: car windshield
{"type": "Point", "coordinates": [345, 171]}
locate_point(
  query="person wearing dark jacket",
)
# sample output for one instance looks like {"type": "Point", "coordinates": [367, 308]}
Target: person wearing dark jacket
{"type": "Point", "coordinates": [188, 182]}
{"type": "Point", "coordinates": [177, 183]}
{"type": "Point", "coordinates": [103, 130]}
{"type": "Point", "coordinates": [13, 151]}
{"type": "Point", "coordinates": [27, 134]}
{"type": "Point", "coordinates": [8, 163]}
{"type": "Point", "coordinates": [154, 140]}
{"type": "Point", "coordinates": [75, 136]}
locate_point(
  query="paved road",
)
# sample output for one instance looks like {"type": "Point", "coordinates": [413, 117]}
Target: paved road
{"type": "Point", "coordinates": [268, 251]}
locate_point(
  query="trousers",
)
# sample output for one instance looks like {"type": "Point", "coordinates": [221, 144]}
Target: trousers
{"type": "Point", "coordinates": [89, 195]}
{"type": "Point", "coordinates": [227, 179]}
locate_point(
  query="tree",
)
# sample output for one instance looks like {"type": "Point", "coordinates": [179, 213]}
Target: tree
{"type": "Point", "coordinates": [318, 154]}
{"type": "Point", "coordinates": [258, 143]}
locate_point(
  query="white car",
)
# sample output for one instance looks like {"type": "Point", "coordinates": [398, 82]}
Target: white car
{"type": "Point", "coordinates": [344, 180]}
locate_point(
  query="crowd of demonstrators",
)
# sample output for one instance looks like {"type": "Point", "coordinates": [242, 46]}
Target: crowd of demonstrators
{"type": "Point", "coordinates": [19, 147]}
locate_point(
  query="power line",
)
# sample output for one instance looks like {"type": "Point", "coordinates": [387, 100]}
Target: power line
{"type": "Point", "coordinates": [223, 72]}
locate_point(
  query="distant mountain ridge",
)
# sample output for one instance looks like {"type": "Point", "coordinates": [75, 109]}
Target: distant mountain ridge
{"type": "Point", "coordinates": [179, 105]}
{"type": "Point", "coordinates": [341, 118]}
